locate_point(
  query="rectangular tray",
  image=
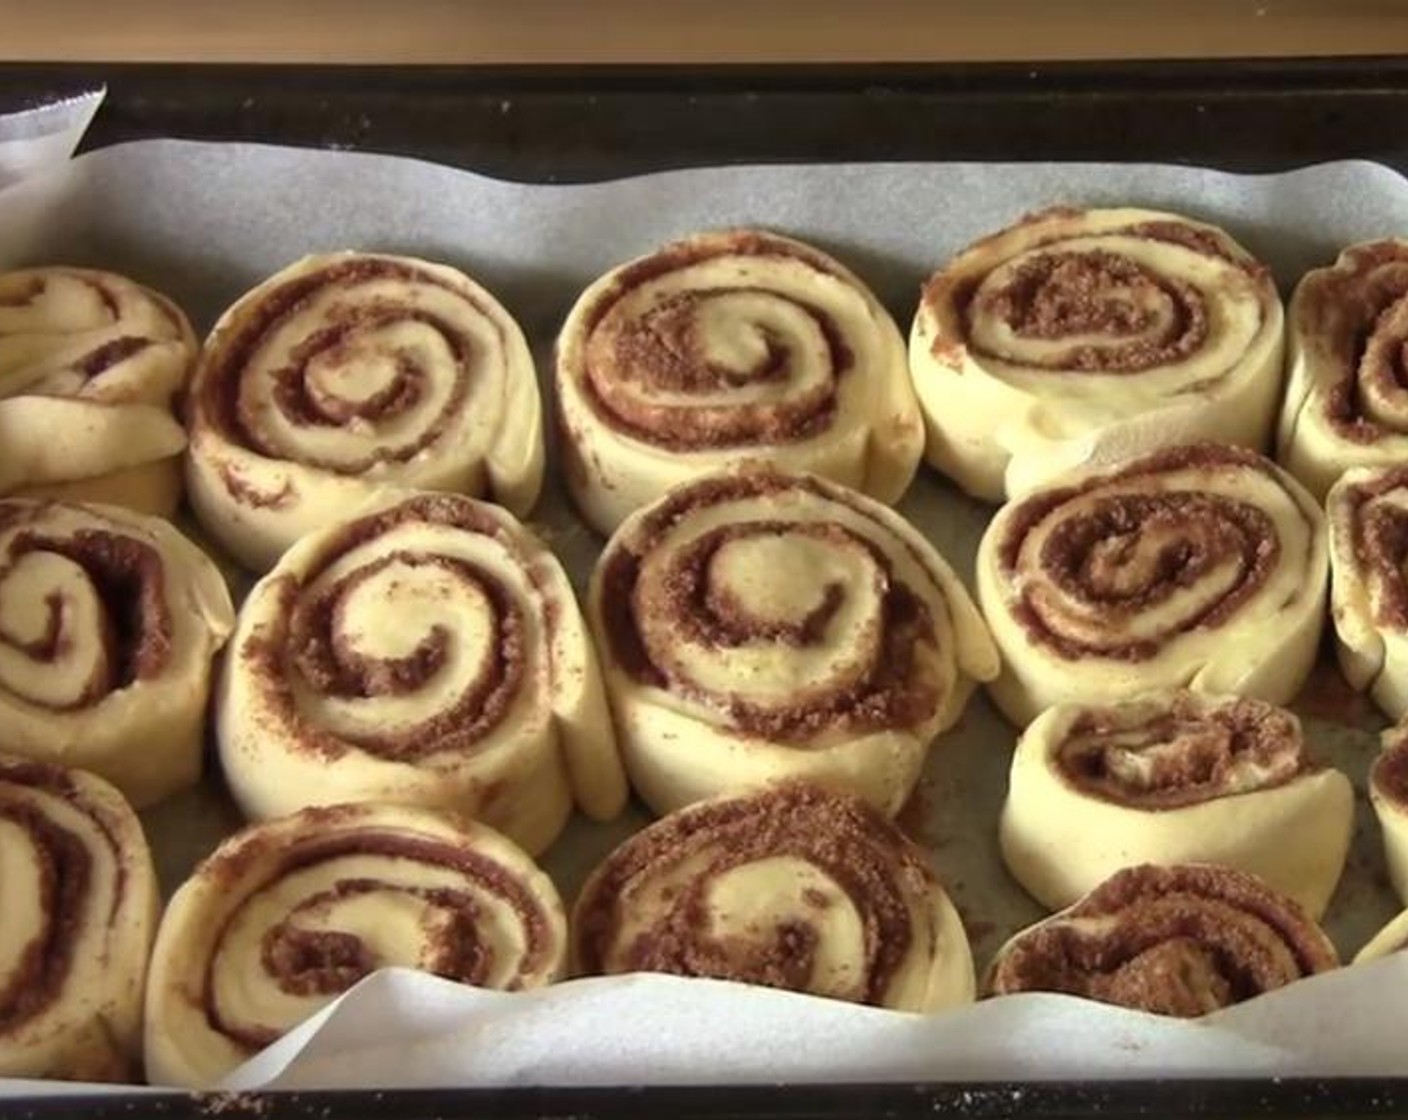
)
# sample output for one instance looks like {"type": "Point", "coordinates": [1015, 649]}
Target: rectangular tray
{"type": "Point", "coordinates": [555, 124]}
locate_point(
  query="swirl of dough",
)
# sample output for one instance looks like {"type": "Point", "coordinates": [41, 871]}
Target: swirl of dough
{"type": "Point", "coordinates": [1183, 941]}
{"type": "Point", "coordinates": [287, 915]}
{"type": "Point", "coordinates": [1346, 402]}
{"type": "Point", "coordinates": [758, 626]}
{"type": "Point", "coordinates": [727, 345]}
{"type": "Point", "coordinates": [1078, 336]}
{"type": "Point", "coordinates": [1202, 566]}
{"type": "Point", "coordinates": [1388, 793]}
{"type": "Point", "coordinates": [348, 372]}
{"type": "Point", "coordinates": [1367, 510]}
{"type": "Point", "coordinates": [1173, 777]}
{"type": "Point", "coordinates": [791, 887]}
{"type": "Point", "coordinates": [109, 621]}
{"type": "Point", "coordinates": [78, 899]}
{"type": "Point", "coordinates": [428, 651]}
{"type": "Point", "coordinates": [91, 367]}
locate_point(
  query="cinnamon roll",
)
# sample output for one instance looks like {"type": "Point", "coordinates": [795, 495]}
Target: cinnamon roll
{"type": "Point", "coordinates": [1202, 566]}
{"type": "Point", "coordinates": [1393, 938]}
{"type": "Point", "coordinates": [91, 367]}
{"type": "Point", "coordinates": [78, 896]}
{"type": "Point", "coordinates": [1367, 510]}
{"type": "Point", "coordinates": [1078, 336]}
{"type": "Point", "coordinates": [731, 345]}
{"type": "Point", "coordinates": [1388, 793]}
{"type": "Point", "coordinates": [1346, 402]}
{"type": "Point", "coordinates": [109, 621]}
{"type": "Point", "coordinates": [758, 626]}
{"type": "Point", "coordinates": [349, 371]}
{"type": "Point", "coordinates": [428, 651]}
{"type": "Point", "coordinates": [287, 915]}
{"type": "Point", "coordinates": [1173, 777]}
{"type": "Point", "coordinates": [792, 887]}
{"type": "Point", "coordinates": [1182, 941]}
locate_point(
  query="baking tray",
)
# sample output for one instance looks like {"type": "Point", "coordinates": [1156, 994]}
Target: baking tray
{"type": "Point", "coordinates": [576, 124]}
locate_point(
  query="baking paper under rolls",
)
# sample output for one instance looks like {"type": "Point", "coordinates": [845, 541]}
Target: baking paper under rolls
{"type": "Point", "coordinates": [1367, 511]}
{"type": "Point", "coordinates": [1346, 402]}
{"type": "Point", "coordinates": [759, 626]}
{"type": "Point", "coordinates": [1182, 941]}
{"type": "Point", "coordinates": [1202, 566]}
{"type": "Point", "coordinates": [109, 621]}
{"type": "Point", "coordinates": [78, 908]}
{"type": "Point", "coordinates": [729, 345]}
{"type": "Point", "coordinates": [1173, 777]}
{"type": "Point", "coordinates": [1085, 335]}
{"type": "Point", "coordinates": [287, 915]}
{"type": "Point", "coordinates": [91, 365]}
{"type": "Point", "coordinates": [347, 372]}
{"type": "Point", "coordinates": [793, 888]}
{"type": "Point", "coordinates": [428, 651]}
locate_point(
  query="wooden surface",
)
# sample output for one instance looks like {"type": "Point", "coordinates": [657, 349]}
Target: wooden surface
{"type": "Point", "coordinates": [565, 31]}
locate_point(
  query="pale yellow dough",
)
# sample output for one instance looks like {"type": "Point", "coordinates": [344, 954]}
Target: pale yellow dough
{"type": "Point", "coordinates": [71, 701]}
{"type": "Point", "coordinates": [431, 385]}
{"type": "Point", "coordinates": [89, 1025]}
{"type": "Point", "coordinates": [396, 884]}
{"type": "Point", "coordinates": [1389, 940]}
{"type": "Point", "coordinates": [752, 297]}
{"type": "Point", "coordinates": [682, 736]}
{"type": "Point", "coordinates": [1006, 412]}
{"type": "Point", "coordinates": [1060, 839]}
{"type": "Point", "coordinates": [91, 368]}
{"type": "Point", "coordinates": [438, 566]}
{"type": "Point", "coordinates": [1264, 629]}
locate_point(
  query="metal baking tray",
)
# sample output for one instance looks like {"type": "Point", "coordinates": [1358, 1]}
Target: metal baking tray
{"type": "Point", "coordinates": [577, 124]}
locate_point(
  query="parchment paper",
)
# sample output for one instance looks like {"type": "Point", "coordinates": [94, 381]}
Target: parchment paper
{"type": "Point", "coordinates": [204, 222]}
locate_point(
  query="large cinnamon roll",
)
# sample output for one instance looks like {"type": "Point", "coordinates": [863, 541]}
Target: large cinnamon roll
{"type": "Point", "coordinates": [793, 887]}
{"type": "Point", "coordinates": [428, 651]}
{"type": "Point", "coordinates": [1085, 335]}
{"type": "Point", "coordinates": [1201, 566]}
{"type": "Point", "coordinates": [91, 367]}
{"type": "Point", "coordinates": [757, 626]}
{"type": "Point", "coordinates": [109, 621]}
{"type": "Point", "coordinates": [78, 908]}
{"type": "Point", "coordinates": [1173, 777]}
{"type": "Point", "coordinates": [730, 345]}
{"type": "Point", "coordinates": [287, 915]}
{"type": "Point", "coordinates": [347, 372]}
{"type": "Point", "coordinates": [1367, 510]}
{"type": "Point", "coordinates": [1346, 404]}
{"type": "Point", "coordinates": [1182, 941]}
{"type": "Point", "coordinates": [1388, 793]}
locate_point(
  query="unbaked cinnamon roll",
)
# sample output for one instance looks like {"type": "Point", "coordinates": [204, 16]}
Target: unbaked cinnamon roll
{"type": "Point", "coordinates": [1346, 404]}
{"type": "Point", "coordinates": [109, 621]}
{"type": "Point", "coordinates": [287, 915]}
{"type": "Point", "coordinates": [91, 367]}
{"type": "Point", "coordinates": [731, 345]}
{"type": "Point", "coordinates": [1367, 510]}
{"type": "Point", "coordinates": [1393, 938]}
{"type": "Point", "coordinates": [758, 626]}
{"type": "Point", "coordinates": [1202, 566]}
{"type": "Point", "coordinates": [428, 651]}
{"type": "Point", "coordinates": [78, 909]}
{"type": "Point", "coordinates": [1181, 941]}
{"type": "Point", "coordinates": [1388, 793]}
{"type": "Point", "coordinates": [793, 887]}
{"type": "Point", "coordinates": [1173, 777]}
{"type": "Point", "coordinates": [1078, 336]}
{"type": "Point", "coordinates": [347, 372]}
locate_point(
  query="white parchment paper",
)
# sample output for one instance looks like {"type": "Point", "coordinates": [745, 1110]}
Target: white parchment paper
{"type": "Point", "coordinates": [204, 222]}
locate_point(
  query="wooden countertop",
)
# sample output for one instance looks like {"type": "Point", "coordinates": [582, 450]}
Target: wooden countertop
{"type": "Point", "coordinates": [566, 31]}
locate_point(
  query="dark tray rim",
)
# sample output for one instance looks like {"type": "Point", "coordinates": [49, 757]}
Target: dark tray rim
{"type": "Point", "coordinates": [151, 86]}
